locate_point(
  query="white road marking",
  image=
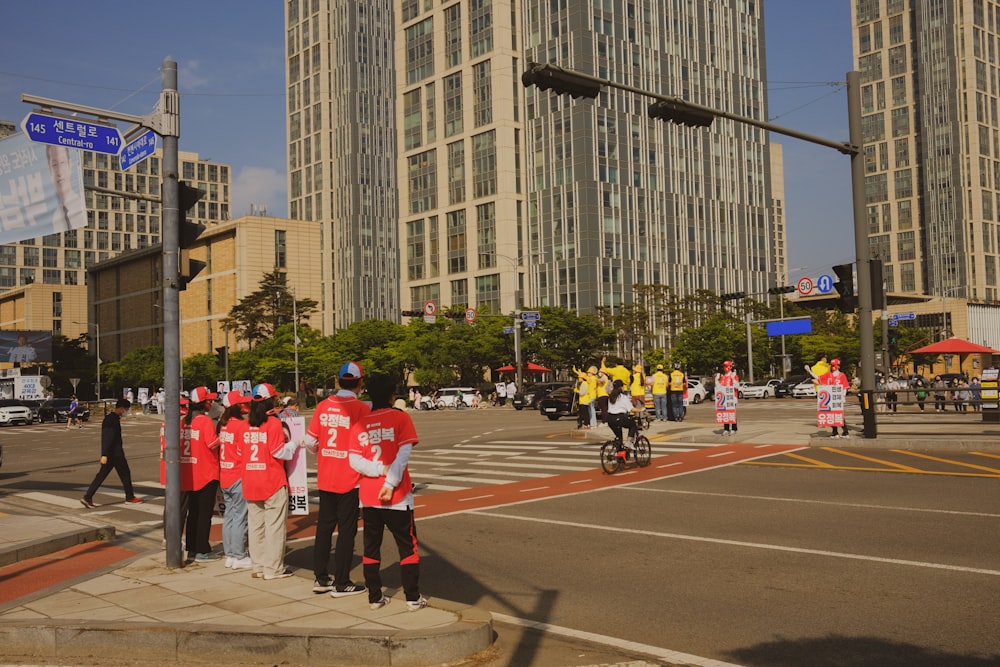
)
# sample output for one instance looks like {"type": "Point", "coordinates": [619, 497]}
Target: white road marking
{"type": "Point", "coordinates": [750, 545]}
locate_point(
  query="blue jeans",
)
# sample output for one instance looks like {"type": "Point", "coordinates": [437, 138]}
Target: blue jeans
{"type": "Point", "coordinates": [660, 407]}
{"type": "Point", "coordinates": [234, 522]}
{"type": "Point", "coordinates": [677, 401]}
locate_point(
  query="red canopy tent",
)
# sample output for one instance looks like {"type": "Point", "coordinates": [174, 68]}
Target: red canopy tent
{"type": "Point", "coordinates": [530, 368]}
{"type": "Point", "coordinates": [954, 346]}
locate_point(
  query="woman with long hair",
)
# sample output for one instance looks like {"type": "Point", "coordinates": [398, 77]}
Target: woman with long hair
{"type": "Point", "coordinates": [619, 407]}
{"type": "Point", "coordinates": [265, 485]}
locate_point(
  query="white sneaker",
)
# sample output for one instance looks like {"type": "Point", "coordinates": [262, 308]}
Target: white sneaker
{"type": "Point", "coordinates": [414, 605]}
{"type": "Point", "coordinates": [242, 563]}
{"type": "Point", "coordinates": [379, 603]}
{"type": "Point", "coordinates": [229, 561]}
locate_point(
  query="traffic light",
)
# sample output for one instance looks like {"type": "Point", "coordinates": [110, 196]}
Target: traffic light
{"type": "Point", "coordinates": [732, 296]}
{"type": "Point", "coordinates": [187, 233]}
{"type": "Point", "coordinates": [846, 302]}
{"type": "Point", "coordinates": [222, 355]}
{"type": "Point", "coordinates": [412, 313]}
{"type": "Point", "coordinates": [878, 285]}
{"type": "Point", "coordinates": [680, 113]}
{"type": "Point", "coordinates": [558, 80]}
{"type": "Point", "coordinates": [785, 289]}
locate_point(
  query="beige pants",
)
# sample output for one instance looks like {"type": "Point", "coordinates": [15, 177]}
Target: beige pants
{"type": "Point", "coordinates": [266, 523]}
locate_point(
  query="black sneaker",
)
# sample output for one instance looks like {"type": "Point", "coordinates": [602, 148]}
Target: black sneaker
{"type": "Point", "coordinates": [324, 585]}
{"type": "Point", "coordinates": [347, 589]}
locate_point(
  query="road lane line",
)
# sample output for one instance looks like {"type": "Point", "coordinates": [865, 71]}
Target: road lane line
{"type": "Point", "coordinates": [750, 545]}
{"type": "Point", "coordinates": [948, 461]}
{"type": "Point", "coordinates": [898, 466]}
{"type": "Point", "coordinates": [818, 464]}
{"type": "Point", "coordinates": [471, 498]}
{"type": "Point", "coordinates": [675, 657]}
{"type": "Point", "coordinates": [537, 488]}
{"type": "Point", "coordinates": [806, 501]}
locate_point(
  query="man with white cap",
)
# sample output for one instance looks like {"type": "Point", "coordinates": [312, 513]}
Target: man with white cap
{"type": "Point", "coordinates": [337, 482]}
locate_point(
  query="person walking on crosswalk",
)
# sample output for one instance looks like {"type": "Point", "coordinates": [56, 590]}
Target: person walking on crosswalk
{"type": "Point", "coordinates": [112, 456]}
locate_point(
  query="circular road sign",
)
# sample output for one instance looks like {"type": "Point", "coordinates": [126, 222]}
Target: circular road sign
{"type": "Point", "coordinates": [430, 308]}
{"type": "Point", "coordinates": [805, 286]}
{"type": "Point", "coordinates": [824, 283]}
{"type": "Point", "coordinates": [470, 315]}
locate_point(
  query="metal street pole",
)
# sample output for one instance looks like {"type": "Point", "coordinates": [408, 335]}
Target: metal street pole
{"type": "Point", "coordinates": [170, 108]}
{"type": "Point", "coordinates": [97, 342]}
{"type": "Point", "coordinates": [862, 253]}
{"type": "Point", "coordinates": [518, 371]}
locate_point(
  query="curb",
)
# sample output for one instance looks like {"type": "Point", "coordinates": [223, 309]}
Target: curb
{"type": "Point", "coordinates": [55, 542]}
{"type": "Point", "coordinates": [202, 644]}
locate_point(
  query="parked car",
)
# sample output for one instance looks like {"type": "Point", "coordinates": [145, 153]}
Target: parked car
{"type": "Point", "coordinates": [696, 391]}
{"type": "Point", "coordinates": [784, 388]}
{"type": "Point", "coordinates": [529, 397]}
{"type": "Point", "coordinates": [804, 389]}
{"type": "Point", "coordinates": [445, 398]}
{"type": "Point", "coordinates": [766, 390]}
{"type": "Point", "coordinates": [15, 412]}
{"type": "Point", "coordinates": [561, 402]}
{"type": "Point", "coordinates": [57, 410]}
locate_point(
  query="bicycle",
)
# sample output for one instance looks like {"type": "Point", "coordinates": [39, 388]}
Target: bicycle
{"type": "Point", "coordinates": [615, 455]}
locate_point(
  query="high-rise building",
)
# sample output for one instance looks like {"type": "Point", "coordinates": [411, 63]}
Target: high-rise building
{"type": "Point", "coordinates": [342, 152]}
{"type": "Point", "coordinates": [572, 200]}
{"type": "Point", "coordinates": [931, 143]}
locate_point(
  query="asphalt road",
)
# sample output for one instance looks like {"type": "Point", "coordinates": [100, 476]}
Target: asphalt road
{"type": "Point", "coordinates": [747, 564]}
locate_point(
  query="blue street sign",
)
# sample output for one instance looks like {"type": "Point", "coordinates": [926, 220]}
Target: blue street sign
{"type": "Point", "coordinates": [906, 316]}
{"type": "Point", "coordinates": [797, 325]}
{"type": "Point", "coordinates": [530, 316]}
{"type": "Point", "coordinates": [72, 133]}
{"type": "Point", "coordinates": [824, 283]}
{"type": "Point", "coordinates": [508, 330]}
{"type": "Point", "coordinates": [138, 150]}
{"type": "Point", "coordinates": [530, 323]}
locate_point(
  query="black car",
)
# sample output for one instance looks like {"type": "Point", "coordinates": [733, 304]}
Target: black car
{"type": "Point", "coordinates": [561, 402]}
{"type": "Point", "coordinates": [784, 388]}
{"type": "Point", "coordinates": [57, 410]}
{"type": "Point", "coordinates": [532, 394]}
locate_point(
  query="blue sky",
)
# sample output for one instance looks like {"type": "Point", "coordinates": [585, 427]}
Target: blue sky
{"type": "Point", "coordinates": [230, 56]}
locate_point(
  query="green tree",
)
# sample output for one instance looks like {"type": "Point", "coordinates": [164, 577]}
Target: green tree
{"type": "Point", "coordinates": [259, 314]}
{"type": "Point", "coordinates": [139, 368]}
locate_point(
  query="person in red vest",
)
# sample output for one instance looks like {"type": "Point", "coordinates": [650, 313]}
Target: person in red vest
{"type": "Point", "coordinates": [728, 378]}
{"type": "Point", "coordinates": [199, 445]}
{"type": "Point", "coordinates": [232, 425]}
{"type": "Point", "coordinates": [834, 376]}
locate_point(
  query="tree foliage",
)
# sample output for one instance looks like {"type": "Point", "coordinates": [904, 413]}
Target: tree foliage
{"type": "Point", "coordinates": [260, 314]}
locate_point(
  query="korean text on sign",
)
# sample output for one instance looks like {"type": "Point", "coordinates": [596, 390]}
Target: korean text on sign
{"type": "Point", "coordinates": [830, 405]}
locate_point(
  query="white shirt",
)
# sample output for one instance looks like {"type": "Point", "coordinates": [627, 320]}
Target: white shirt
{"type": "Point", "coordinates": [621, 406]}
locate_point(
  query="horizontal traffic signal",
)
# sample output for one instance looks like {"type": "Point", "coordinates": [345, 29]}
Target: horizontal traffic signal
{"type": "Point", "coordinates": [732, 296]}
{"type": "Point", "coordinates": [680, 113]}
{"type": "Point", "coordinates": [785, 289]}
{"type": "Point", "coordinates": [558, 80]}
{"type": "Point", "coordinates": [412, 313]}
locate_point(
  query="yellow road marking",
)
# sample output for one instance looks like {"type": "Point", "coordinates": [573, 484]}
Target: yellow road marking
{"type": "Point", "coordinates": [820, 464]}
{"type": "Point", "coordinates": [949, 461]}
{"type": "Point", "coordinates": [870, 459]}
{"type": "Point", "coordinates": [992, 456]}
{"type": "Point", "coordinates": [862, 469]}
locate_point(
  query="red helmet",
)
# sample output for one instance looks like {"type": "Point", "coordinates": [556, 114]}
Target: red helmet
{"type": "Point", "coordinates": [727, 364]}
{"type": "Point", "coordinates": [835, 363]}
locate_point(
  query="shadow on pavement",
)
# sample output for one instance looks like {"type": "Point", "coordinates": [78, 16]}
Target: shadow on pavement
{"type": "Point", "coordinates": [840, 651]}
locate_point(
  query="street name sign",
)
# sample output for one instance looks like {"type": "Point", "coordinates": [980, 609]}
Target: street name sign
{"type": "Point", "coordinates": [72, 133]}
{"type": "Point", "coordinates": [137, 150]}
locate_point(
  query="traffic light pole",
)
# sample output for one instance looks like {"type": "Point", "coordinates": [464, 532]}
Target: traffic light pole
{"type": "Point", "coordinates": [861, 251]}
{"type": "Point", "coordinates": [171, 215]}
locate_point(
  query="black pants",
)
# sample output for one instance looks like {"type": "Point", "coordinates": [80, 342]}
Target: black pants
{"type": "Point", "coordinates": [617, 421]}
{"type": "Point", "coordinates": [197, 526]}
{"type": "Point", "coordinates": [336, 511]}
{"type": "Point", "coordinates": [117, 463]}
{"type": "Point", "coordinates": [404, 531]}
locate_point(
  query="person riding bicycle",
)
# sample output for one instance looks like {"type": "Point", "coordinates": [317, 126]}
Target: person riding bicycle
{"type": "Point", "coordinates": [619, 409]}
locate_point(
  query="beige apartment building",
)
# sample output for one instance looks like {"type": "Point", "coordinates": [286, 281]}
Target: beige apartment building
{"type": "Point", "coordinates": [125, 292]}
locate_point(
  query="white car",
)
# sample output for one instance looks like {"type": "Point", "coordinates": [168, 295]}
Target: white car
{"type": "Point", "coordinates": [15, 412]}
{"type": "Point", "coordinates": [766, 390]}
{"type": "Point", "coordinates": [445, 398]}
{"type": "Point", "coordinates": [696, 391]}
{"type": "Point", "coordinates": [804, 389]}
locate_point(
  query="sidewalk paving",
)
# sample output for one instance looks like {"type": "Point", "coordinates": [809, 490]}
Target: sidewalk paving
{"type": "Point", "coordinates": [131, 606]}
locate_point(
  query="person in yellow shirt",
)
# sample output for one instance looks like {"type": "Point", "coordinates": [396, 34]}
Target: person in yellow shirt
{"type": "Point", "coordinates": [603, 384]}
{"type": "Point", "coordinates": [586, 391]}
{"type": "Point", "coordinates": [660, 383]}
{"type": "Point", "coordinates": [678, 385]}
{"type": "Point", "coordinates": [638, 387]}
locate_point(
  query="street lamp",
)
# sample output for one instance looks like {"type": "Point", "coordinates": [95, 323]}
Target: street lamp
{"type": "Point", "coordinates": [97, 327]}
{"type": "Point", "coordinates": [295, 330]}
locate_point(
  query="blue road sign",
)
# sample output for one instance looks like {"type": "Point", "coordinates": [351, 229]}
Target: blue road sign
{"type": "Point", "coordinates": [72, 133]}
{"type": "Point", "coordinates": [530, 323]}
{"type": "Point", "coordinates": [138, 150]}
{"type": "Point", "coordinates": [906, 316]}
{"type": "Point", "coordinates": [824, 283]}
{"type": "Point", "coordinates": [797, 325]}
{"type": "Point", "coordinates": [508, 330]}
{"type": "Point", "coordinates": [530, 316]}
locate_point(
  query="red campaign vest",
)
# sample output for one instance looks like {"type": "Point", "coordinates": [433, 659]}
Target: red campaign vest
{"type": "Point", "coordinates": [263, 474]}
{"type": "Point", "coordinates": [230, 457]}
{"type": "Point", "coordinates": [199, 462]}
{"type": "Point", "coordinates": [378, 437]}
{"type": "Point", "coordinates": [331, 425]}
